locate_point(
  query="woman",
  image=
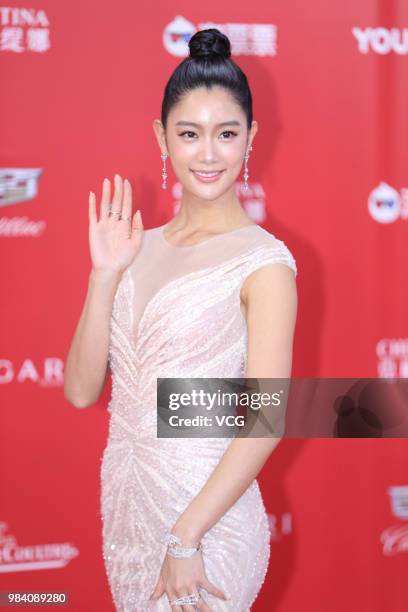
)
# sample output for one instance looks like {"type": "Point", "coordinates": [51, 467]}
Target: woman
{"type": "Point", "coordinates": [209, 294]}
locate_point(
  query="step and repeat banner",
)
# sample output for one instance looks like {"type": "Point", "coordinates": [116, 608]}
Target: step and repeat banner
{"type": "Point", "coordinates": [81, 84]}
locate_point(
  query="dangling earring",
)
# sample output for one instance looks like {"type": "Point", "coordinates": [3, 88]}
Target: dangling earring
{"type": "Point", "coordinates": [246, 175]}
{"type": "Point", "coordinates": [164, 175]}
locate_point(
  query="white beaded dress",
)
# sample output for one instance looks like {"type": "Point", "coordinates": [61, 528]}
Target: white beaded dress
{"type": "Point", "coordinates": [177, 313]}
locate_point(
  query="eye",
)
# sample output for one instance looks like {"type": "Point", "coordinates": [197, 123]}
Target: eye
{"type": "Point", "coordinates": [229, 132]}
{"type": "Point", "coordinates": [226, 132]}
{"type": "Point", "coordinates": [187, 132]}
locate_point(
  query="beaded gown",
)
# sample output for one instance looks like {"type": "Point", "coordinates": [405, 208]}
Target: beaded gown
{"type": "Point", "coordinates": [177, 313]}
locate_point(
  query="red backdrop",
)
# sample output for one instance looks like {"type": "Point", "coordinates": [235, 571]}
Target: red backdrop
{"type": "Point", "coordinates": [81, 85]}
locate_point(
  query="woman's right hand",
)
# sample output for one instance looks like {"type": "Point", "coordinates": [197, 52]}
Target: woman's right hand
{"type": "Point", "coordinates": [114, 241]}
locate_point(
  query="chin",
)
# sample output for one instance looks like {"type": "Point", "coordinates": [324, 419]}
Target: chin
{"type": "Point", "coordinates": [210, 193]}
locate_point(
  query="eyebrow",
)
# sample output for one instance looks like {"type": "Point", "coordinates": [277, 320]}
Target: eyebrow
{"type": "Point", "coordinates": [197, 125]}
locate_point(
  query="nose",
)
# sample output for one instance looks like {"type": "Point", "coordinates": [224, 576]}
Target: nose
{"type": "Point", "coordinates": [208, 153]}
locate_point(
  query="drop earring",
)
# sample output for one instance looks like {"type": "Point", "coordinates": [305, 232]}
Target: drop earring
{"type": "Point", "coordinates": [246, 175]}
{"type": "Point", "coordinates": [164, 156]}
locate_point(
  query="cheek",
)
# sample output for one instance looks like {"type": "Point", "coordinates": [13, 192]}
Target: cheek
{"type": "Point", "coordinates": [234, 152]}
{"type": "Point", "coordinates": [180, 163]}
{"type": "Point", "coordinates": [234, 157]}
{"type": "Point", "coordinates": [183, 155]}
{"type": "Point", "coordinates": [178, 149]}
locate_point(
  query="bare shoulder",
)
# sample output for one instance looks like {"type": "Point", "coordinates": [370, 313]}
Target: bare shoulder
{"type": "Point", "coordinates": [268, 282]}
{"type": "Point", "coordinates": [272, 268]}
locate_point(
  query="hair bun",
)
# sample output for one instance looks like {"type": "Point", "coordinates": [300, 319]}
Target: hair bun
{"type": "Point", "coordinates": [209, 44]}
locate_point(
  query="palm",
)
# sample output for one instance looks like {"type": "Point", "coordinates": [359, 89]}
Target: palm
{"type": "Point", "coordinates": [114, 240]}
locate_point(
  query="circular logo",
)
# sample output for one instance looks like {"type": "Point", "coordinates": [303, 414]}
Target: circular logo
{"type": "Point", "coordinates": [176, 36]}
{"type": "Point", "coordinates": [384, 204]}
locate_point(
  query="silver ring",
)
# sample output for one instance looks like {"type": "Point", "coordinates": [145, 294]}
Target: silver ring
{"type": "Point", "coordinates": [125, 218]}
{"type": "Point", "coordinates": [186, 600]}
{"type": "Point", "coordinates": [114, 212]}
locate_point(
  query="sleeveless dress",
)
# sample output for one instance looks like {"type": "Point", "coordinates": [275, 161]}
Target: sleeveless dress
{"type": "Point", "coordinates": [177, 313]}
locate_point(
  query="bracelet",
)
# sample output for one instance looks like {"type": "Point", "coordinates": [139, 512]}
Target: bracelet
{"type": "Point", "coordinates": [176, 550]}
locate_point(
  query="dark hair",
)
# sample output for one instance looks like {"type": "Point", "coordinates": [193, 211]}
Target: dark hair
{"type": "Point", "coordinates": [208, 65]}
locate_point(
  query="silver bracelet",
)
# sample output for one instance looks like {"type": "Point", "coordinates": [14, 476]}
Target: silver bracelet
{"type": "Point", "coordinates": [176, 550]}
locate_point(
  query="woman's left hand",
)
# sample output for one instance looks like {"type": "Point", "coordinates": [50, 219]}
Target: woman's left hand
{"type": "Point", "coordinates": [185, 576]}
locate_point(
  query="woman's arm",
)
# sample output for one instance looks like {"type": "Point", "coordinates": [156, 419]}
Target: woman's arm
{"type": "Point", "coordinates": [114, 240]}
{"type": "Point", "coordinates": [270, 297]}
{"type": "Point", "coordinates": [87, 361]}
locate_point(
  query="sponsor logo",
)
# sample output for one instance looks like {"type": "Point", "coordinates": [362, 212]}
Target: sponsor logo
{"type": "Point", "coordinates": [15, 557]}
{"type": "Point", "coordinates": [381, 40]}
{"type": "Point", "coordinates": [392, 356]}
{"type": "Point", "coordinates": [23, 29]}
{"type": "Point", "coordinates": [245, 38]}
{"type": "Point", "coordinates": [280, 526]}
{"type": "Point", "coordinates": [395, 539]}
{"type": "Point", "coordinates": [52, 374]}
{"type": "Point", "coordinates": [386, 204]}
{"type": "Point", "coordinates": [19, 185]}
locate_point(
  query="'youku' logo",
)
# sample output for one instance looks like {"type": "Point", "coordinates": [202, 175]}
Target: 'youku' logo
{"type": "Point", "coordinates": [384, 204]}
{"type": "Point", "coordinates": [176, 36]}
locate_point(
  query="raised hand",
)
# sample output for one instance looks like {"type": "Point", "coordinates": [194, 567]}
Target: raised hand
{"type": "Point", "coordinates": [114, 238]}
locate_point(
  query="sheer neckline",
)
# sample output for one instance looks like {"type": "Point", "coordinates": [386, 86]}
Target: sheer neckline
{"type": "Point", "coordinates": [197, 244]}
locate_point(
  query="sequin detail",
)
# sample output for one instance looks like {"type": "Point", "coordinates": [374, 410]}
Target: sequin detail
{"type": "Point", "coordinates": [192, 326]}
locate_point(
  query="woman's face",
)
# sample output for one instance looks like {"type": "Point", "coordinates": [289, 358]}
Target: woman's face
{"type": "Point", "coordinates": [206, 132]}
